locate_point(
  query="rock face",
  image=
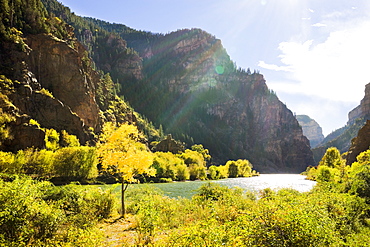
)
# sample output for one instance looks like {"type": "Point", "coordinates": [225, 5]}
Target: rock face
{"type": "Point", "coordinates": [46, 76]}
{"type": "Point", "coordinates": [363, 110]}
{"type": "Point", "coordinates": [169, 145]}
{"type": "Point", "coordinates": [52, 64]}
{"type": "Point", "coordinates": [311, 129]}
{"type": "Point", "coordinates": [360, 143]}
{"type": "Point", "coordinates": [50, 84]}
{"type": "Point", "coordinates": [24, 136]}
{"type": "Point", "coordinates": [62, 70]}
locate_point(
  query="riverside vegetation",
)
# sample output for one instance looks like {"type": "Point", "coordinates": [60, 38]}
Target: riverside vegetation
{"type": "Point", "coordinates": [37, 213]}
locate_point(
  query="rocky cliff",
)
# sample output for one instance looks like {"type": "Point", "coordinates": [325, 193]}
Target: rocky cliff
{"type": "Point", "coordinates": [52, 90]}
{"type": "Point", "coordinates": [311, 129]}
{"type": "Point", "coordinates": [64, 71]}
{"type": "Point", "coordinates": [359, 144]}
{"type": "Point", "coordinates": [194, 90]}
{"type": "Point", "coordinates": [46, 76]}
{"type": "Point", "coordinates": [363, 110]}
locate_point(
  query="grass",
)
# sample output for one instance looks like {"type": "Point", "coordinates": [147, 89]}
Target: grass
{"type": "Point", "coordinates": [174, 190]}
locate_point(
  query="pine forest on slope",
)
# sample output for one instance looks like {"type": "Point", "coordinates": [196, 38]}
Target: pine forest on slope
{"type": "Point", "coordinates": [186, 82]}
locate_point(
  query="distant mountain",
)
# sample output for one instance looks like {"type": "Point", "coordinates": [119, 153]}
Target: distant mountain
{"type": "Point", "coordinates": [183, 81]}
{"type": "Point", "coordinates": [342, 137]}
{"type": "Point", "coordinates": [311, 129]}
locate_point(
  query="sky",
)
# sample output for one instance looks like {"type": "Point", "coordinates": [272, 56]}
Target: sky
{"type": "Point", "coordinates": [315, 54]}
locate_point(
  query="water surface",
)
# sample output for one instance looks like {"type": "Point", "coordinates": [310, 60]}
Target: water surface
{"type": "Point", "coordinates": [273, 181]}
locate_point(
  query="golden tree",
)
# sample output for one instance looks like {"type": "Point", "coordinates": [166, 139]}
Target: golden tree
{"type": "Point", "coordinates": [121, 149]}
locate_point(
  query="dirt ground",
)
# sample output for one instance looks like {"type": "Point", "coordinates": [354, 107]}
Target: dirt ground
{"type": "Point", "coordinates": [118, 232]}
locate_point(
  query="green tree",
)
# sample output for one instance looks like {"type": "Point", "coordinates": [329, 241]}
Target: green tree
{"type": "Point", "coordinates": [213, 172]}
{"type": "Point", "coordinates": [166, 164]}
{"type": "Point", "coordinates": [244, 168]}
{"type": "Point", "coordinates": [359, 176]}
{"type": "Point", "coordinates": [200, 149]}
{"type": "Point", "coordinates": [223, 171]}
{"type": "Point", "coordinates": [332, 158]}
{"type": "Point", "coordinates": [182, 172]}
{"type": "Point", "coordinates": [233, 169]}
{"type": "Point", "coordinates": [5, 119]}
{"type": "Point", "coordinates": [331, 168]}
{"type": "Point", "coordinates": [325, 174]}
{"type": "Point", "coordinates": [51, 139]}
{"type": "Point", "coordinates": [196, 163]}
{"type": "Point", "coordinates": [67, 140]}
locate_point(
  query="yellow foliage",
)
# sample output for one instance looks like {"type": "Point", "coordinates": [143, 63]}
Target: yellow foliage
{"type": "Point", "coordinates": [46, 92]}
{"type": "Point", "coordinates": [121, 148]}
{"type": "Point", "coordinates": [6, 161]}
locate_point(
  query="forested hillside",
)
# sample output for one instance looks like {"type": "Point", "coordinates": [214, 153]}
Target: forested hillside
{"type": "Point", "coordinates": [185, 82]}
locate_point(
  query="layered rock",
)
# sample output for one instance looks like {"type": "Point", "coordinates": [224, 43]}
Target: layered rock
{"type": "Point", "coordinates": [24, 135]}
{"type": "Point", "coordinates": [311, 129]}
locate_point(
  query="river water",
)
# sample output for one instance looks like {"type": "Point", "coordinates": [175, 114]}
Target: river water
{"type": "Point", "coordinates": [273, 181]}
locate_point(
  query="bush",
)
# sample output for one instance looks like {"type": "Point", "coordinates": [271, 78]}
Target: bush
{"type": "Point", "coordinates": [25, 217]}
{"type": "Point", "coordinates": [76, 163]}
{"type": "Point", "coordinates": [40, 214]}
{"type": "Point", "coordinates": [82, 206]}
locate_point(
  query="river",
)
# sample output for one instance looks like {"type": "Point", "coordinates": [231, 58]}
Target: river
{"type": "Point", "coordinates": [273, 181]}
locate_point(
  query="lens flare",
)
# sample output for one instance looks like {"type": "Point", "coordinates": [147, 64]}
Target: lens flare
{"type": "Point", "coordinates": [220, 69]}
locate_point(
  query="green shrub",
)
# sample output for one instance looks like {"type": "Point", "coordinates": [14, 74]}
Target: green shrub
{"type": "Point", "coordinates": [76, 163]}
{"type": "Point", "coordinates": [51, 139]}
{"type": "Point", "coordinates": [83, 206]}
{"type": "Point", "coordinates": [25, 218]}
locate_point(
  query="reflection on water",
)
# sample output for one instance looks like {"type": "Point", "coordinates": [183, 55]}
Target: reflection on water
{"type": "Point", "coordinates": [273, 181]}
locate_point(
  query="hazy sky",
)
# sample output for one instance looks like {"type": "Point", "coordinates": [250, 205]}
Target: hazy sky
{"type": "Point", "coordinates": [315, 54]}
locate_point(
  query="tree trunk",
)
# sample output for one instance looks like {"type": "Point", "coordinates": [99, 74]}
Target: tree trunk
{"type": "Point", "coordinates": [123, 190]}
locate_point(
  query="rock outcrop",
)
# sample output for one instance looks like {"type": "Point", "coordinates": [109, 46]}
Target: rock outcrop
{"type": "Point", "coordinates": [24, 135]}
{"type": "Point", "coordinates": [169, 145]}
{"type": "Point", "coordinates": [64, 71]}
{"type": "Point", "coordinates": [359, 144]}
{"type": "Point", "coordinates": [47, 76]}
{"type": "Point", "coordinates": [363, 110]}
{"type": "Point", "coordinates": [53, 87]}
{"type": "Point", "coordinates": [311, 129]}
